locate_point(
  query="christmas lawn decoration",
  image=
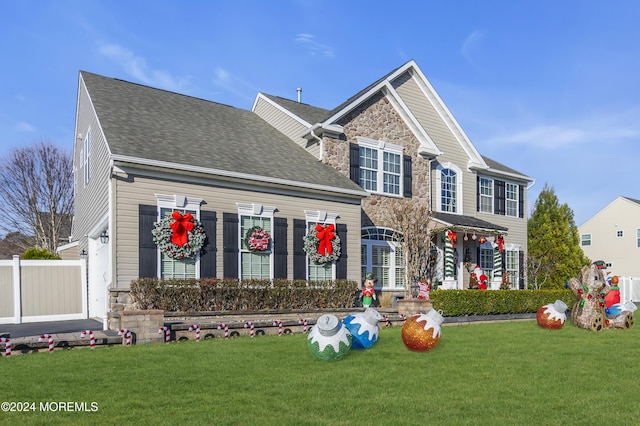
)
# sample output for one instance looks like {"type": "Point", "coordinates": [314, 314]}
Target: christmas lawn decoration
{"type": "Point", "coordinates": [590, 290]}
{"type": "Point", "coordinates": [179, 236]}
{"type": "Point", "coordinates": [553, 315]}
{"type": "Point", "coordinates": [322, 244]}
{"type": "Point", "coordinates": [257, 239]}
{"type": "Point", "coordinates": [422, 332]}
{"type": "Point", "coordinates": [329, 339]}
{"type": "Point", "coordinates": [364, 328]}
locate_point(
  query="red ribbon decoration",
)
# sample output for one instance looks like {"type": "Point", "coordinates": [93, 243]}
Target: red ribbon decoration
{"type": "Point", "coordinates": [500, 242]}
{"type": "Point", "coordinates": [182, 225]}
{"type": "Point", "coordinates": [452, 236]}
{"type": "Point", "coordinates": [325, 235]}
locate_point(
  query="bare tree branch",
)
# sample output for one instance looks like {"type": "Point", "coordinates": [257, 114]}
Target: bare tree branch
{"type": "Point", "coordinates": [36, 185]}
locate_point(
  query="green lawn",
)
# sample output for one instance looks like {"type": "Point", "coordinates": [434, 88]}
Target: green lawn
{"type": "Point", "coordinates": [507, 373]}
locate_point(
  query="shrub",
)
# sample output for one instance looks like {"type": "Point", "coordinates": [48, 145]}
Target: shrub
{"type": "Point", "coordinates": [471, 302]}
{"type": "Point", "coordinates": [201, 295]}
{"type": "Point", "coordinates": [35, 253]}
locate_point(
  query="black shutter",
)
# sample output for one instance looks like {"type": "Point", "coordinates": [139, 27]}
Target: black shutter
{"type": "Point", "coordinates": [147, 249]}
{"type": "Point", "coordinates": [341, 263]}
{"type": "Point", "coordinates": [354, 162]}
{"type": "Point", "coordinates": [521, 269]}
{"type": "Point", "coordinates": [280, 252]}
{"type": "Point", "coordinates": [477, 193]}
{"type": "Point", "coordinates": [208, 252]}
{"type": "Point", "coordinates": [499, 197]}
{"type": "Point", "coordinates": [520, 201]}
{"type": "Point", "coordinates": [230, 245]}
{"type": "Point", "coordinates": [299, 256]}
{"type": "Point", "coordinates": [408, 176]}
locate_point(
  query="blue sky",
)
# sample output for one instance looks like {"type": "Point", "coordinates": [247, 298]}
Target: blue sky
{"type": "Point", "coordinates": [549, 88]}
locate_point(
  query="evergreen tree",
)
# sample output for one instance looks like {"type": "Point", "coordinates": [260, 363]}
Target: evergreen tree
{"type": "Point", "coordinates": [554, 253]}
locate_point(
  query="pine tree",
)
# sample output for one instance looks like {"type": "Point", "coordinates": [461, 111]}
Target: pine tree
{"type": "Point", "coordinates": [554, 253]}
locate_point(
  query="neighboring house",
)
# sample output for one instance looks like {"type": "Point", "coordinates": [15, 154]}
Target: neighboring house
{"type": "Point", "coordinates": [395, 139]}
{"type": "Point", "coordinates": [613, 236]}
{"type": "Point", "coordinates": [141, 153]}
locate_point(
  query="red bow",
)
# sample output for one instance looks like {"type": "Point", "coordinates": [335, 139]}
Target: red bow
{"type": "Point", "coordinates": [452, 237]}
{"type": "Point", "coordinates": [325, 235]}
{"type": "Point", "coordinates": [182, 225]}
{"type": "Point", "coordinates": [500, 242]}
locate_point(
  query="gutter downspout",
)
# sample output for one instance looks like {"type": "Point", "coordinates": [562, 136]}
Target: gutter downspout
{"type": "Point", "coordinates": [312, 132]}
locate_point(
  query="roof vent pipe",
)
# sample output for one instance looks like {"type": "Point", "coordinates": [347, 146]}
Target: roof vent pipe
{"type": "Point", "coordinates": [299, 90]}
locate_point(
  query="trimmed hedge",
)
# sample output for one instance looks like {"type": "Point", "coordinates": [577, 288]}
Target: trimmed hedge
{"type": "Point", "coordinates": [454, 303]}
{"type": "Point", "coordinates": [198, 295]}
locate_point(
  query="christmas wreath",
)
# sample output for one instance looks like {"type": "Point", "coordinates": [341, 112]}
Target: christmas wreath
{"type": "Point", "coordinates": [179, 236]}
{"type": "Point", "coordinates": [322, 244]}
{"type": "Point", "coordinates": [257, 239]}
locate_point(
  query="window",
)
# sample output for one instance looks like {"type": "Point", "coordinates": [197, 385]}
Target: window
{"type": "Point", "coordinates": [374, 178]}
{"type": "Point", "coordinates": [585, 239]}
{"type": "Point", "coordinates": [638, 237]}
{"type": "Point", "coordinates": [448, 188]}
{"type": "Point", "coordinates": [511, 265]}
{"type": "Point", "coordinates": [255, 265]}
{"type": "Point", "coordinates": [619, 233]}
{"type": "Point", "coordinates": [486, 261]}
{"type": "Point", "coordinates": [486, 195]}
{"type": "Point", "coordinates": [381, 254]}
{"type": "Point", "coordinates": [86, 155]}
{"type": "Point", "coordinates": [174, 268]}
{"type": "Point", "coordinates": [326, 271]}
{"type": "Point", "coordinates": [511, 199]}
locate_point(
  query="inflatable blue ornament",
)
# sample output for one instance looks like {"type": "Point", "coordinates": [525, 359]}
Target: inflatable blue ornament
{"type": "Point", "coordinates": [329, 339]}
{"type": "Point", "coordinates": [364, 328]}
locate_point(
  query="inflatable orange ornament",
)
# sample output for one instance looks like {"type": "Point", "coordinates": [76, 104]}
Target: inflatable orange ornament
{"type": "Point", "coordinates": [553, 315]}
{"type": "Point", "coordinates": [422, 332]}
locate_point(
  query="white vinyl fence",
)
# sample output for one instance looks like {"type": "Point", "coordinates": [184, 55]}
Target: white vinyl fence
{"type": "Point", "coordinates": [629, 289]}
{"type": "Point", "coordinates": [42, 290]}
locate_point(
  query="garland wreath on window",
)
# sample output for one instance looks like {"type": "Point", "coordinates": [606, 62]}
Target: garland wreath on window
{"type": "Point", "coordinates": [257, 239]}
{"type": "Point", "coordinates": [179, 236]}
{"type": "Point", "coordinates": [322, 244]}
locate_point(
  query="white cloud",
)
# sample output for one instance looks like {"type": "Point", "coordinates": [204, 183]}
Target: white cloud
{"type": "Point", "coordinates": [315, 48]}
{"type": "Point", "coordinates": [25, 127]}
{"type": "Point", "coordinates": [233, 84]}
{"type": "Point", "coordinates": [137, 67]}
{"type": "Point", "coordinates": [471, 46]}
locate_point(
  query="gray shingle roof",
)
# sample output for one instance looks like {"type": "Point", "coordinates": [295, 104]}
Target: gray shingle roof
{"type": "Point", "coordinates": [308, 113]}
{"type": "Point", "coordinates": [494, 165]}
{"type": "Point", "coordinates": [457, 220]}
{"type": "Point", "coordinates": [147, 123]}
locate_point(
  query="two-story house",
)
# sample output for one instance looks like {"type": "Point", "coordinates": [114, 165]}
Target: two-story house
{"type": "Point", "coordinates": [613, 236]}
{"type": "Point", "coordinates": [396, 138]}
{"type": "Point", "coordinates": [142, 153]}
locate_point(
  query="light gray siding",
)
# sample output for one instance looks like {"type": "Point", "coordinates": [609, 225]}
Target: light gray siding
{"type": "Point", "coordinates": [135, 190]}
{"type": "Point", "coordinates": [91, 200]}
{"type": "Point", "coordinates": [285, 124]}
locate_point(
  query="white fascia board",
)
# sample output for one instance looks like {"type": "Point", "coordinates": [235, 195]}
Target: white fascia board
{"type": "Point", "coordinates": [236, 175]}
{"type": "Point", "coordinates": [280, 108]}
{"type": "Point", "coordinates": [430, 93]}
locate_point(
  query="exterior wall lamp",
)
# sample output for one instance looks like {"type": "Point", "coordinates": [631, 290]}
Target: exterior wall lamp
{"type": "Point", "coordinates": [83, 254]}
{"type": "Point", "coordinates": [104, 237]}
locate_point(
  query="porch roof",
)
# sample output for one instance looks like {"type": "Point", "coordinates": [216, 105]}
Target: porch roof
{"type": "Point", "coordinates": [468, 223]}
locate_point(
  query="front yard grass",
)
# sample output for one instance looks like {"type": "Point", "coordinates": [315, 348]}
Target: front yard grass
{"type": "Point", "coordinates": [512, 373]}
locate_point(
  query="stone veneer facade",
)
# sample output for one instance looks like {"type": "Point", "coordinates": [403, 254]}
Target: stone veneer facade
{"type": "Point", "coordinates": [377, 119]}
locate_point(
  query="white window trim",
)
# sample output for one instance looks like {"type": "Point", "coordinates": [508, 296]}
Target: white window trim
{"type": "Point", "coordinates": [181, 202]}
{"type": "Point", "coordinates": [86, 158]}
{"type": "Point", "coordinates": [458, 171]}
{"type": "Point", "coordinates": [394, 245]}
{"type": "Point", "coordinates": [493, 191]}
{"type": "Point", "coordinates": [319, 216]}
{"type": "Point", "coordinates": [255, 209]}
{"type": "Point", "coordinates": [517, 199]}
{"type": "Point", "coordinates": [382, 147]}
